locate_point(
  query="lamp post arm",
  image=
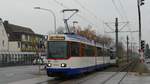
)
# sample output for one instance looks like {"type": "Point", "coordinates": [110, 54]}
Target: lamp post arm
{"type": "Point", "coordinates": [54, 16]}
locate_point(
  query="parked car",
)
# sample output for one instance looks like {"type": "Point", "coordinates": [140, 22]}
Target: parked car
{"type": "Point", "coordinates": [147, 60]}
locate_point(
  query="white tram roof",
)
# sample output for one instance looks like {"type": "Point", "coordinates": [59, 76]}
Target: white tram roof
{"type": "Point", "coordinates": [74, 38]}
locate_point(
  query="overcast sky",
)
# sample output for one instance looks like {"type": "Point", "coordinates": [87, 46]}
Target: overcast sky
{"type": "Point", "coordinates": [92, 12]}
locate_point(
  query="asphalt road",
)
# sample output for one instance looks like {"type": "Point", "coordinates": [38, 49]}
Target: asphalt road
{"type": "Point", "coordinates": [19, 73]}
{"type": "Point", "coordinates": [31, 75]}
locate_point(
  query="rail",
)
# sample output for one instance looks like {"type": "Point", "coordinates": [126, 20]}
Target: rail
{"type": "Point", "coordinates": [127, 68]}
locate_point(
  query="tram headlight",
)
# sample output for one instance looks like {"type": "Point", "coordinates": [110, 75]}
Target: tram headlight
{"type": "Point", "coordinates": [63, 65]}
{"type": "Point", "coordinates": [49, 64]}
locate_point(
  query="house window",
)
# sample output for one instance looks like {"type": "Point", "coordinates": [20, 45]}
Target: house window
{"type": "Point", "coordinates": [18, 44]}
{"type": "Point", "coordinates": [26, 37]}
{"type": "Point", "coordinates": [8, 35]}
{"type": "Point", "coordinates": [37, 39]}
{"type": "Point", "coordinates": [3, 32]}
{"type": "Point", "coordinates": [22, 46]}
{"type": "Point", "coordinates": [3, 43]}
{"type": "Point", "coordinates": [26, 46]}
{"type": "Point", "coordinates": [23, 37]}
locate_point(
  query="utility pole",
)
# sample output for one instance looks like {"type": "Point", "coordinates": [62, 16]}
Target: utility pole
{"type": "Point", "coordinates": [140, 3]}
{"type": "Point", "coordinates": [116, 30]}
{"type": "Point", "coordinates": [139, 17]}
{"type": "Point", "coordinates": [127, 49]}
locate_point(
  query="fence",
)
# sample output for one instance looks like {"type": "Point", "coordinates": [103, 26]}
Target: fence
{"type": "Point", "coordinates": [17, 58]}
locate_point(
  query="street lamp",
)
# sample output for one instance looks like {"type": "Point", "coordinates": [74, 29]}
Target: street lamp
{"type": "Point", "coordinates": [50, 12]}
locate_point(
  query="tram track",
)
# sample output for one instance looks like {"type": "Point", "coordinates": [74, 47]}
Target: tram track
{"type": "Point", "coordinates": [132, 67]}
{"type": "Point", "coordinates": [105, 81]}
{"type": "Point", "coordinates": [122, 69]}
{"type": "Point", "coordinates": [128, 68]}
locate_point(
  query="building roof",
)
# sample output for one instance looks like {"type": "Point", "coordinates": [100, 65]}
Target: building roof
{"type": "Point", "coordinates": [11, 28]}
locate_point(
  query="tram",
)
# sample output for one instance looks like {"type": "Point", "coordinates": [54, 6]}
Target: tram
{"type": "Point", "coordinates": [72, 54]}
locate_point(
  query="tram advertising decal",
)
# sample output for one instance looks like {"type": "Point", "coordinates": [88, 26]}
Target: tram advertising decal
{"type": "Point", "coordinates": [56, 38]}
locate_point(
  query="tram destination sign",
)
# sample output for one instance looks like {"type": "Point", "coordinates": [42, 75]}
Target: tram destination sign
{"type": "Point", "coordinates": [56, 38]}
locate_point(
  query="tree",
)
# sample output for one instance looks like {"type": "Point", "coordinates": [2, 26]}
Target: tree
{"type": "Point", "coordinates": [88, 33]}
{"type": "Point", "coordinates": [121, 50]}
{"type": "Point", "coordinates": [147, 51]}
{"type": "Point", "coordinates": [104, 40]}
{"type": "Point", "coordinates": [60, 30]}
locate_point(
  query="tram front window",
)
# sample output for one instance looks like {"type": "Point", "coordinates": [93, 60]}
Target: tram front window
{"type": "Point", "coordinates": [57, 49]}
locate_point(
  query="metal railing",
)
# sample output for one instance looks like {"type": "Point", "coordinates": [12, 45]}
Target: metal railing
{"type": "Point", "coordinates": [17, 58]}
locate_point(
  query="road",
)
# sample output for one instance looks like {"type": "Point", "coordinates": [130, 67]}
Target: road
{"type": "Point", "coordinates": [148, 65]}
{"type": "Point", "coordinates": [19, 73]}
{"type": "Point", "coordinates": [31, 75]}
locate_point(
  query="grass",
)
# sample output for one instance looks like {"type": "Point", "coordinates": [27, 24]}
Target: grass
{"type": "Point", "coordinates": [141, 68]}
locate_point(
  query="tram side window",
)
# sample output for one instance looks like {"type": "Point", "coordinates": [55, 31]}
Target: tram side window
{"type": "Point", "coordinates": [75, 49]}
{"type": "Point", "coordinates": [112, 55]}
{"type": "Point", "coordinates": [89, 50]}
{"type": "Point", "coordinates": [105, 52]}
{"type": "Point", "coordinates": [99, 51]}
{"type": "Point", "coordinates": [108, 53]}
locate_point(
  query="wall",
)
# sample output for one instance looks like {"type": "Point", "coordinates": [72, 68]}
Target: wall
{"type": "Point", "coordinates": [3, 38]}
{"type": "Point", "coordinates": [13, 46]}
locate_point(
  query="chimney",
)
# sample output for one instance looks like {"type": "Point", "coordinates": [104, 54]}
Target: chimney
{"type": "Point", "coordinates": [1, 20]}
{"type": "Point", "coordinates": [6, 22]}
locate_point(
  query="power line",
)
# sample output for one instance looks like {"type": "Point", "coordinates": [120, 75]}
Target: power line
{"type": "Point", "coordinates": [59, 3]}
{"type": "Point", "coordinates": [84, 18]}
{"type": "Point", "coordinates": [123, 9]}
{"type": "Point", "coordinates": [64, 6]}
{"type": "Point", "coordinates": [82, 6]}
{"type": "Point", "coordinates": [99, 20]}
{"type": "Point", "coordinates": [117, 9]}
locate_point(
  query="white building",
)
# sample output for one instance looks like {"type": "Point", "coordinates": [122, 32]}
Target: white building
{"type": "Point", "coordinates": [14, 38]}
{"type": "Point", "coordinates": [21, 39]}
{"type": "Point", "coordinates": [3, 38]}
